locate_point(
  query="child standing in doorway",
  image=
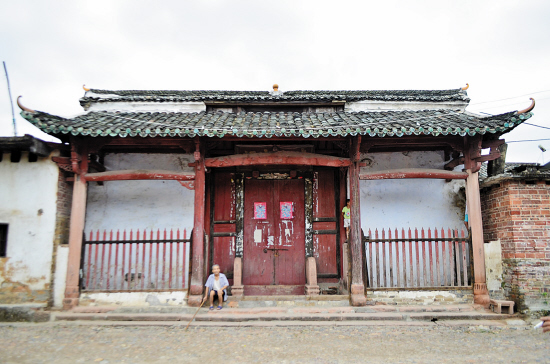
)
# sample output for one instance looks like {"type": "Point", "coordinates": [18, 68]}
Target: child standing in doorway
{"type": "Point", "coordinates": [346, 214]}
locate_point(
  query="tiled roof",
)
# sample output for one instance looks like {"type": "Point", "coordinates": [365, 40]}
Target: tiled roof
{"type": "Point", "coordinates": [268, 124]}
{"type": "Point", "coordinates": [94, 95]}
{"type": "Point", "coordinates": [515, 170]}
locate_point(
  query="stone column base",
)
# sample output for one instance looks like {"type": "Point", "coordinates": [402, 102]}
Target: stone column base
{"type": "Point", "coordinates": [195, 300]}
{"type": "Point", "coordinates": [481, 295]}
{"type": "Point", "coordinates": [237, 291]}
{"type": "Point", "coordinates": [312, 290]}
{"type": "Point", "coordinates": [69, 303]}
{"type": "Point", "coordinates": [358, 297]}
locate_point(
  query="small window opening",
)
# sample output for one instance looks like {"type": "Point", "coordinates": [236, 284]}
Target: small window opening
{"type": "Point", "coordinates": [530, 182]}
{"type": "Point", "coordinates": [1, 155]}
{"type": "Point", "coordinates": [33, 157]}
{"type": "Point", "coordinates": [15, 156]}
{"type": "Point", "coordinates": [3, 240]}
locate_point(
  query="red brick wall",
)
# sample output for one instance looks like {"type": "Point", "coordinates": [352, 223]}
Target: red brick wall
{"type": "Point", "coordinates": [518, 213]}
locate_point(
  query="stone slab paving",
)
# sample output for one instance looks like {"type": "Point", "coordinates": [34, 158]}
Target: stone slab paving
{"type": "Point", "coordinates": [69, 342]}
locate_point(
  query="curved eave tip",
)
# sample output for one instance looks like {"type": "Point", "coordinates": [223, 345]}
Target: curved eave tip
{"type": "Point", "coordinates": [85, 88]}
{"type": "Point", "coordinates": [23, 107]}
{"type": "Point", "coordinates": [465, 87]}
{"type": "Point", "coordinates": [531, 107]}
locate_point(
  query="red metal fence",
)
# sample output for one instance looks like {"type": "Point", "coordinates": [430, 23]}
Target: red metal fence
{"type": "Point", "coordinates": [426, 260]}
{"type": "Point", "coordinates": [135, 261]}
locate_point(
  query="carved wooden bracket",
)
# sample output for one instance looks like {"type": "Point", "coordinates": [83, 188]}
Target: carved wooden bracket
{"type": "Point", "coordinates": [64, 163]}
{"type": "Point", "coordinates": [190, 185]}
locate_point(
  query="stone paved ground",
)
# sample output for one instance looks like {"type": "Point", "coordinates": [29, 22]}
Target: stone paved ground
{"type": "Point", "coordinates": [69, 343]}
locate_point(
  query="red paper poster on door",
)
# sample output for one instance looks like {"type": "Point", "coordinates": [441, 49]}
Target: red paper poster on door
{"type": "Point", "coordinates": [286, 210]}
{"type": "Point", "coordinates": [260, 211]}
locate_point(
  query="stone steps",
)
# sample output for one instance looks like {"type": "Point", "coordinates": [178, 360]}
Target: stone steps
{"type": "Point", "coordinates": [293, 314]}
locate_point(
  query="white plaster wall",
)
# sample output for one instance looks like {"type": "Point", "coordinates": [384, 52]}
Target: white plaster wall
{"type": "Point", "coordinates": [28, 194]}
{"type": "Point", "coordinates": [404, 203]}
{"type": "Point", "coordinates": [149, 106]}
{"type": "Point", "coordinates": [135, 299]}
{"type": "Point", "coordinates": [370, 105]}
{"type": "Point", "coordinates": [141, 204]}
{"type": "Point", "coordinates": [60, 277]}
{"type": "Point", "coordinates": [493, 265]}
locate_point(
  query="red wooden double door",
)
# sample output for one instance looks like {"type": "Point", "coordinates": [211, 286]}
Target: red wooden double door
{"type": "Point", "coordinates": [247, 221]}
{"type": "Point", "coordinates": [274, 233]}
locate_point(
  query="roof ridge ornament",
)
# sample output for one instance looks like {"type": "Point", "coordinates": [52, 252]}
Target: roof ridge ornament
{"type": "Point", "coordinates": [85, 88]}
{"type": "Point", "coordinates": [528, 108]}
{"type": "Point", "coordinates": [465, 87]}
{"type": "Point", "coordinates": [23, 107]}
{"type": "Point", "coordinates": [276, 91]}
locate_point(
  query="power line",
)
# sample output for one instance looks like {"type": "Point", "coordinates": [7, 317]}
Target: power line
{"type": "Point", "coordinates": [507, 105]}
{"type": "Point", "coordinates": [11, 101]}
{"type": "Point", "coordinates": [510, 98]}
{"type": "Point", "coordinates": [527, 140]}
{"type": "Point", "coordinates": [538, 126]}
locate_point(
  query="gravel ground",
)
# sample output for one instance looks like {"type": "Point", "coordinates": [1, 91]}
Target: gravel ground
{"type": "Point", "coordinates": [66, 343]}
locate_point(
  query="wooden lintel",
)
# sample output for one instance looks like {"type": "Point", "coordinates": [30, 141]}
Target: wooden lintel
{"type": "Point", "coordinates": [277, 158]}
{"type": "Point", "coordinates": [488, 157]}
{"type": "Point", "coordinates": [492, 143]}
{"type": "Point", "coordinates": [454, 163]}
{"type": "Point", "coordinates": [413, 173]}
{"type": "Point", "coordinates": [139, 174]}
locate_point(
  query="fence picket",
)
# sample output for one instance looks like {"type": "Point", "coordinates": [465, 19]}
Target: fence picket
{"type": "Point", "coordinates": [387, 258]}
{"type": "Point", "coordinates": [394, 260]}
{"type": "Point", "coordinates": [401, 245]}
{"type": "Point", "coordinates": [427, 259]}
{"type": "Point", "coordinates": [374, 265]}
{"type": "Point", "coordinates": [113, 269]}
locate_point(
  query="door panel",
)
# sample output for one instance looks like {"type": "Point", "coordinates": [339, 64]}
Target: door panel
{"type": "Point", "coordinates": [325, 225]}
{"type": "Point", "coordinates": [223, 223]}
{"type": "Point", "coordinates": [290, 264]}
{"type": "Point", "coordinates": [274, 248]}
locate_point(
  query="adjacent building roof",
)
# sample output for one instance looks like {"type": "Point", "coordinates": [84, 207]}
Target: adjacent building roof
{"type": "Point", "coordinates": [521, 171]}
{"type": "Point", "coordinates": [268, 124]}
{"type": "Point", "coordinates": [94, 95]}
{"type": "Point", "coordinates": [26, 143]}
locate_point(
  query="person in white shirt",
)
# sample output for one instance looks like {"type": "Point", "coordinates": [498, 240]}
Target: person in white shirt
{"type": "Point", "coordinates": [216, 285]}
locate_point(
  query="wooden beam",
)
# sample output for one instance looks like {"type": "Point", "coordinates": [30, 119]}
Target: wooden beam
{"type": "Point", "coordinates": [139, 174]}
{"type": "Point", "coordinates": [413, 173]}
{"type": "Point", "coordinates": [277, 158]}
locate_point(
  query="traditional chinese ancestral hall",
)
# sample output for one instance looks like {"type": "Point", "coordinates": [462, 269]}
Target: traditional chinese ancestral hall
{"type": "Point", "coordinates": [260, 178]}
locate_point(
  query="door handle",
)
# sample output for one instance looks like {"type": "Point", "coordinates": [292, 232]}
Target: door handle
{"type": "Point", "coordinates": [265, 250]}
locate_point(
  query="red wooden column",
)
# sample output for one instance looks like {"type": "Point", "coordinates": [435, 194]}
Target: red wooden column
{"type": "Point", "coordinates": [76, 228]}
{"type": "Point", "coordinates": [472, 150]}
{"type": "Point", "coordinates": [481, 295]}
{"type": "Point", "coordinates": [357, 287]}
{"type": "Point", "coordinates": [197, 262]}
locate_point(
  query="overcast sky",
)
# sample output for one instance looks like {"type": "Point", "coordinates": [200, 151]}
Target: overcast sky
{"type": "Point", "coordinates": [501, 48]}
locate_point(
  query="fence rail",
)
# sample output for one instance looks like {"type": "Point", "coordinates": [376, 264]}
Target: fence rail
{"type": "Point", "coordinates": [413, 260]}
{"type": "Point", "coordinates": [140, 261]}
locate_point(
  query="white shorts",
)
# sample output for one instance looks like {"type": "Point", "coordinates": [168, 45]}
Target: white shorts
{"type": "Point", "coordinates": [347, 222]}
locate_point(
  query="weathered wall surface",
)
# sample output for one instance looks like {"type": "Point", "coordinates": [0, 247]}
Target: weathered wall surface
{"type": "Point", "coordinates": [414, 203]}
{"type": "Point", "coordinates": [493, 269]}
{"type": "Point", "coordinates": [141, 204]}
{"type": "Point", "coordinates": [444, 297]}
{"type": "Point", "coordinates": [28, 193]}
{"type": "Point", "coordinates": [135, 299]}
{"type": "Point", "coordinates": [518, 213]}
